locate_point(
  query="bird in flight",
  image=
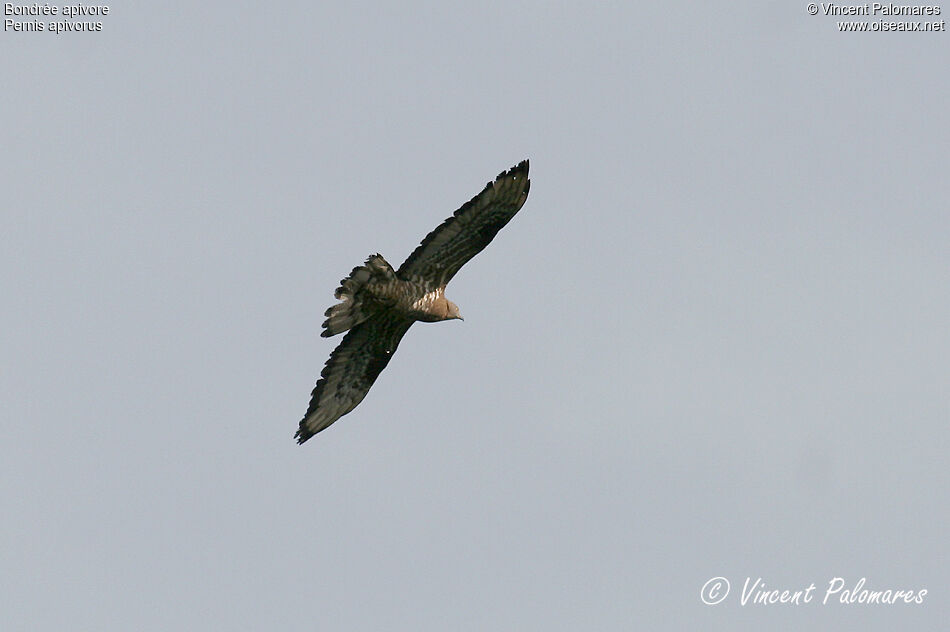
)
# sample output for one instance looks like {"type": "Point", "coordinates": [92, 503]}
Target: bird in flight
{"type": "Point", "coordinates": [378, 305]}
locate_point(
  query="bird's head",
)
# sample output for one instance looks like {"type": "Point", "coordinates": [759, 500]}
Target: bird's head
{"type": "Point", "coordinates": [452, 311]}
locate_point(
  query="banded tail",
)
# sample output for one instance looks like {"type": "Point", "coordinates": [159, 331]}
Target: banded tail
{"type": "Point", "coordinates": [355, 292]}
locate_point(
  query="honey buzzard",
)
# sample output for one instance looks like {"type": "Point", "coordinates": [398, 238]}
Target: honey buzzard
{"type": "Point", "coordinates": [378, 305]}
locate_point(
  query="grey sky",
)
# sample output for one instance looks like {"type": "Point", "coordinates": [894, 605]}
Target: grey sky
{"type": "Point", "coordinates": [714, 342]}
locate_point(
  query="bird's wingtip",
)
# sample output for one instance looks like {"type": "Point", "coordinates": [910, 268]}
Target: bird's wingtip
{"type": "Point", "coordinates": [302, 434]}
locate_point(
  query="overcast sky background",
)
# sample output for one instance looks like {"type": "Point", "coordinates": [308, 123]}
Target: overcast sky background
{"type": "Point", "coordinates": [714, 342]}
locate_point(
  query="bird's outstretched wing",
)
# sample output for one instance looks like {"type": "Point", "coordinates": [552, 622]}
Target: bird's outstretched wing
{"type": "Point", "coordinates": [351, 370]}
{"type": "Point", "coordinates": [459, 238]}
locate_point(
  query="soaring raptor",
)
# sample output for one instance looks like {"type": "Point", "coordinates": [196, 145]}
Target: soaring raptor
{"type": "Point", "coordinates": [378, 305]}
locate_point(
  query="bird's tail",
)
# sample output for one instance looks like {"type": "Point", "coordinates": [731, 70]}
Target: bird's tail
{"type": "Point", "coordinates": [357, 304]}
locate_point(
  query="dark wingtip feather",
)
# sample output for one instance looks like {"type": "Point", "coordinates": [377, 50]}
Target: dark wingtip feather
{"type": "Point", "coordinates": [520, 167]}
{"type": "Point", "coordinates": [302, 434]}
{"type": "Point", "coordinates": [514, 171]}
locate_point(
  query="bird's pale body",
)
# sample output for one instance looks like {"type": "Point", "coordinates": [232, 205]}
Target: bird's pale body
{"type": "Point", "coordinates": [432, 307]}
